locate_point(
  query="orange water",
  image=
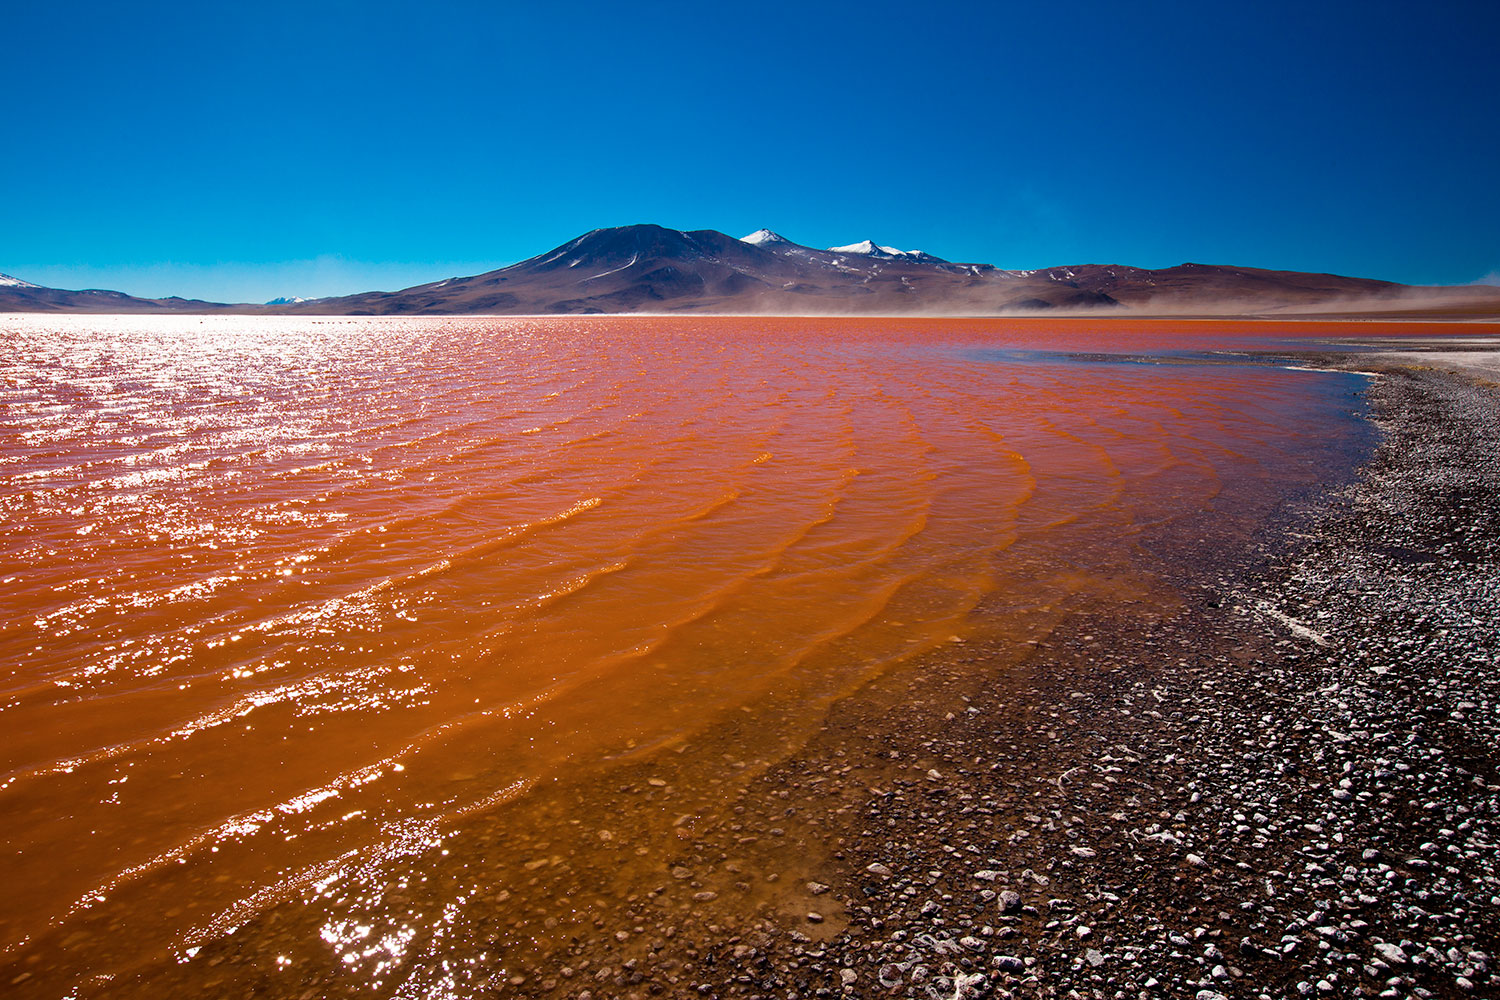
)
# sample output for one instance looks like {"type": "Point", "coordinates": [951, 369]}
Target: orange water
{"type": "Point", "coordinates": [278, 594]}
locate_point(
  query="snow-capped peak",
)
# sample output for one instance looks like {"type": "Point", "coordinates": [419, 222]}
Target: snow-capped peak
{"type": "Point", "coordinates": [764, 237]}
{"type": "Point", "coordinates": [6, 281]}
{"type": "Point", "coordinates": [863, 246]}
{"type": "Point", "coordinates": [287, 300]}
{"type": "Point", "coordinates": [870, 248]}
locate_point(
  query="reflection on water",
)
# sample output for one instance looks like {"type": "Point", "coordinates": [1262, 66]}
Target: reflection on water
{"type": "Point", "coordinates": [283, 598]}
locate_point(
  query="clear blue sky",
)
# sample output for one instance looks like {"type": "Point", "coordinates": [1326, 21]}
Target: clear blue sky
{"type": "Point", "coordinates": [242, 151]}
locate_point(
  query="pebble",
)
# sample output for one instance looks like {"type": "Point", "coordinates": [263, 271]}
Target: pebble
{"type": "Point", "coordinates": [1391, 954]}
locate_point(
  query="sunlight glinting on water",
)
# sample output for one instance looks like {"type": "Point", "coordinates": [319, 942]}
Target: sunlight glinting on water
{"type": "Point", "coordinates": [284, 593]}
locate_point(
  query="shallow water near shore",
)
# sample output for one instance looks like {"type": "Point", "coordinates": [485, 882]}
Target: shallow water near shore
{"type": "Point", "coordinates": [293, 606]}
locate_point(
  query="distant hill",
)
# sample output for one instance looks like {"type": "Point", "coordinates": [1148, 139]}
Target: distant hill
{"type": "Point", "coordinates": [647, 268]}
{"type": "Point", "coordinates": [22, 296]}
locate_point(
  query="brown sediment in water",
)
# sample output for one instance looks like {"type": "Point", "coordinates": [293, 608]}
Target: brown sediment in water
{"type": "Point", "coordinates": [618, 838]}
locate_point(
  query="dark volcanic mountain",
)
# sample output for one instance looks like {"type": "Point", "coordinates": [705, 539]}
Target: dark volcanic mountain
{"type": "Point", "coordinates": [651, 269]}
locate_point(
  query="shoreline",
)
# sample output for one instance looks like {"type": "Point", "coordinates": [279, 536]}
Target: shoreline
{"type": "Point", "coordinates": [1174, 805]}
{"type": "Point", "coordinates": [1301, 808]}
{"type": "Point", "coordinates": [1313, 813]}
{"type": "Point", "coordinates": [1306, 807]}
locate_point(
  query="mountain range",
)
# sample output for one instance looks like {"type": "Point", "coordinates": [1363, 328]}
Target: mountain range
{"type": "Point", "coordinates": [646, 268]}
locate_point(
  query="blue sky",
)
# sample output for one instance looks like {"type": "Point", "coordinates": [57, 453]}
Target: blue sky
{"type": "Point", "coordinates": [239, 152]}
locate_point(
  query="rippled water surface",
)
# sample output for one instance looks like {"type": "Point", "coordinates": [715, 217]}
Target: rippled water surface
{"type": "Point", "coordinates": [280, 597]}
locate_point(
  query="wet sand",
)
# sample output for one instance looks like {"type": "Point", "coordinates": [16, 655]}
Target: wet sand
{"type": "Point", "coordinates": [1173, 794]}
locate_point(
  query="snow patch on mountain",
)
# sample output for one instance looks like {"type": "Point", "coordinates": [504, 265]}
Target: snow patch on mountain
{"type": "Point", "coordinates": [287, 300]}
{"type": "Point", "coordinates": [616, 270]}
{"type": "Point", "coordinates": [6, 281]}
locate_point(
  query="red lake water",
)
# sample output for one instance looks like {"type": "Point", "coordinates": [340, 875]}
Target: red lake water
{"type": "Point", "coordinates": [285, 600]}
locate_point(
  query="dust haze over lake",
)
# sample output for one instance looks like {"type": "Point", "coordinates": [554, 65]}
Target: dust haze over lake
{"type": "Point", "coordinates": [290, 601]}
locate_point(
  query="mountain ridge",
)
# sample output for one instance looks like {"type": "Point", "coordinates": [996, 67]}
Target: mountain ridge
{"type": "Point", "coordinates": [650, 268]}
